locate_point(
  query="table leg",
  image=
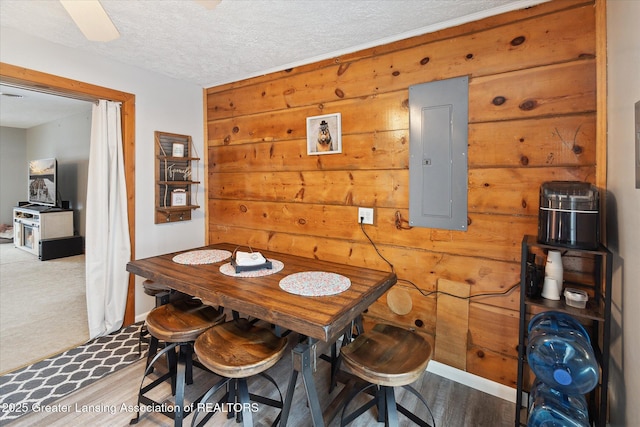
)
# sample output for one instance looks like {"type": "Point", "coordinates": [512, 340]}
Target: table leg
{"type": "Point", "coordinates": [303, 361]}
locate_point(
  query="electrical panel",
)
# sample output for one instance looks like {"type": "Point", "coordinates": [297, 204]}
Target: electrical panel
{"type": "Point", "coordinates": [438, 134]}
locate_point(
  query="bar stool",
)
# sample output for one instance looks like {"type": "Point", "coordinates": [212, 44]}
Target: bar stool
{"type": "Point", "coordinates": [178, 324]}
{"type": "Point", "coordinates": [349, 334]}
{"type": "Point", "coordinates": [237, 350]}
{"type": "Point", "coordinates": [386, 357]}
{"type": "Point", "coordinates": [161, 294]}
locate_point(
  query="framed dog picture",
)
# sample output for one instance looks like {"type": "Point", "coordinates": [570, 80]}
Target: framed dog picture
{"type": "Point", "coordinates": [324, 134]}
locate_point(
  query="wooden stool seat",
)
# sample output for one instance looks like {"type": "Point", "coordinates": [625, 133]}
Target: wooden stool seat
{"type": "Point", "coordinates": [387, 355]}
{"type": "Point", "coordinates": [152, 288]}
{"type": "Point", "coordinates": [162, 295]}
{"type": "Point", "coordinates": [182, 321]}
{"type": "Point", "coordinates": [239, 349]}
{"type": "Point", "coordinates": [178, 324]}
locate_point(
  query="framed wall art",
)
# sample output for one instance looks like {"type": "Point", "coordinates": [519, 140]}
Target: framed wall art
{"type": "Point", "coordinates": [324, 134]}
{"type": "Point", "coordinates": [178, 198]}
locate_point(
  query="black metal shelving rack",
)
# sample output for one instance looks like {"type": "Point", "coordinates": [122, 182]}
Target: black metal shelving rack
{"type": "Point", "coordinates": [596, 316]}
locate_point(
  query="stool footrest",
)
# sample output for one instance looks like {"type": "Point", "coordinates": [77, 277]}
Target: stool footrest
{"type": "Point", "coordinates": [238, 393]}
{"type": "Point", "coordinates": [384, 399]}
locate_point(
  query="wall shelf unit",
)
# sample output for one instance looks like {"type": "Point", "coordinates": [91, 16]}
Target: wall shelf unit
{"type": "Point", "coordinates": [590, 270]}
{"type": "Point", "coordinates": [176, 188]}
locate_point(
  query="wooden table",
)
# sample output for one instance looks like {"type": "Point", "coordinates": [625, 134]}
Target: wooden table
{"type": "Point", "coordinates": [321, 318]}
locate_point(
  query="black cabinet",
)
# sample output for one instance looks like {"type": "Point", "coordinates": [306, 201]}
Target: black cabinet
{"type": "Point", "coordinates": [585, 269]}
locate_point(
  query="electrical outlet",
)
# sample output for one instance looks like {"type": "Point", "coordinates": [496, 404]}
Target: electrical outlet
{"type": "Point", "coordinates": [365, 215]}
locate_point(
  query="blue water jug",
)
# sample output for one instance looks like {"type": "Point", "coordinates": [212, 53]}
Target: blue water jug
{"type": "Point", "coordinates": [551, 408]}
{"type": "Point", "coordinates": [559, 353]}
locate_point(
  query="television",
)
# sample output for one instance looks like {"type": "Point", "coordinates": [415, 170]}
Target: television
{"type": "Point", "coordinates": [42, 182]}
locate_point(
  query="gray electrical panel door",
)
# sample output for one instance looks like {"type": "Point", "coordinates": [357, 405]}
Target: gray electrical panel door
{"type": "Point", "coordinates": [438, 133]}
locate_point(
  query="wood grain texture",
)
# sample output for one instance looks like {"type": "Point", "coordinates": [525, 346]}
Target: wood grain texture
{"type": "Point", "coordinates": [399, 301]}
{"type": "Point", "coordinates": [387, 355]}
{"type": "Point", "coordinates": [182, 321]}
{"type": "Point", "coordinates": [452, 323]}
{"type": "Point", "coordinates": [542, 9]}
{"type": "Point", "coordinates": [513, 46]}
{"type": "Point", "coordinates": [239, 349]}
{"type": "Point", "coordinates": [533, 117]}
{"type": "Point", "coordinates": [322, 318]}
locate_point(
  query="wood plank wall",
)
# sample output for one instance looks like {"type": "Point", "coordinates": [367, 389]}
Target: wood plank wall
{"type": "Point", "coordinates": [532, 113]}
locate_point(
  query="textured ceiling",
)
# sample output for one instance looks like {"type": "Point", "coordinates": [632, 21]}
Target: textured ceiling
{"type": "Point", "coordinates": [25, 109]}
{"type": "Point", "coordinates": [244, 38]}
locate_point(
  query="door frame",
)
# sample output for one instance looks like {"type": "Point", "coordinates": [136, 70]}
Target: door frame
{"type": "Point", "coordinates": [43, 82]}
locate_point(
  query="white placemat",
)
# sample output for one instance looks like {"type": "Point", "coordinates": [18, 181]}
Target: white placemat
{"type": "Point", "coordinates": [229, 270]}
{"type": "Point", "coordinates": [206, 256]}
{"type": "Point", "coordinates": [315, 283]}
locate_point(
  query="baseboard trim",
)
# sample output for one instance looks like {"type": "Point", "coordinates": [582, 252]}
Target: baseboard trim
{"type": "Point", "coordinates": [141, 317]}
{"type": "Point", "coordinates": [474, 381]}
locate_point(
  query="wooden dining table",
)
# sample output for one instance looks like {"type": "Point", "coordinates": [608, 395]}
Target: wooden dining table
{"type": "Point", "coordinates": [309, 309]}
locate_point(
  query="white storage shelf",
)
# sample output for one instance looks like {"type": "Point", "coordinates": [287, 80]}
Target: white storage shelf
{"type": "Point", "coordinates": [35, 223]}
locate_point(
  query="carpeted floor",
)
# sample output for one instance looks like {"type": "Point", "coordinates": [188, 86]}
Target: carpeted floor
{"type": "Point", "coordinates": [42, 307]}
{"type": "Point", "coordinates": [46, 381]}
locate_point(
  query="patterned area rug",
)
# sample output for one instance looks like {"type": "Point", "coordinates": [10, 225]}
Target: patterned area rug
{"type": "Point", "coordinates": [46, 381]}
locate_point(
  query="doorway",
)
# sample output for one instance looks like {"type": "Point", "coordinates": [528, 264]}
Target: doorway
{"type": "Point", "coordinates": [48, 298]}
{"type": "Point", "coordinates": [38, 81]}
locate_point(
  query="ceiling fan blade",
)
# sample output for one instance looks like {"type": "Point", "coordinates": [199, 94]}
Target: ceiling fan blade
{"type": "Point", "coordinates": [208, 4]}
{"type": "Point", "coordinates": [91, 19]}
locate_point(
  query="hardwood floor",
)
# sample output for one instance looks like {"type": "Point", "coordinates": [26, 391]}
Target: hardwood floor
{"type": "Point", "coordinates": [108, 402]}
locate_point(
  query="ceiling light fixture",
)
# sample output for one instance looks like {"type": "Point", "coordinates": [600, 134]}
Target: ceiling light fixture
{"type": "Point", "coordinates": [91, 19]}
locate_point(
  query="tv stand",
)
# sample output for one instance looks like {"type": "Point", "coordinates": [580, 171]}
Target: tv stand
{"type": "Point", "coordinates": [46, 232]}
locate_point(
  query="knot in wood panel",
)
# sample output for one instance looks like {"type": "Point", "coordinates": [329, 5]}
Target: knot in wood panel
{"type": "Point", "coordinates": [343, 68]}
{"type": "Point", "coordinates": [499, 100]}
{"type": "Point", "coordinates": [528, 105]}
{"type": "Point", "coordinates": [518, 41]}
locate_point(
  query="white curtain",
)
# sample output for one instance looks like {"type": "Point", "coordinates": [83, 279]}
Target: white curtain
{"type": "Point", "coordinates": [107, 244]}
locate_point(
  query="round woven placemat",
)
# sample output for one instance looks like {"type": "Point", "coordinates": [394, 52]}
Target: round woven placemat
{"type": "Point", "coordinates": [315, 283]}
{"type": "Point", "coordinates": [205, 256]}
